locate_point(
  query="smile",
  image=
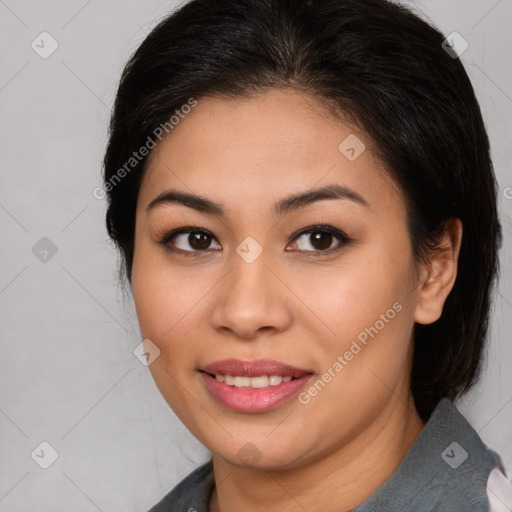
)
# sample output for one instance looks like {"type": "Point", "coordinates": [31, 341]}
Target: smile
{"type": "Point", "coordinates": [253, 386]}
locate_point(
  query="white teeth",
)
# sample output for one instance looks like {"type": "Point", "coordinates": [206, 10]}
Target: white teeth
{"type": "Point", "coordinates": [262, 381]}
{"type": "Point", "coordinates": [242, 382]}
{"type": "Point", "coordinates": [259, 382]}
{"type": "Point", "coordinates": [275, 380]}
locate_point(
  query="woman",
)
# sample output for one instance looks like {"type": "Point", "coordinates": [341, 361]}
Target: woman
{"type": "Point", "coordinates": [305, 205]}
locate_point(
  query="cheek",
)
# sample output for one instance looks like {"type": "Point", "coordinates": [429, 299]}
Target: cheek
{"type": "Point", "coordinates": [367, 351]}
{"type": "Point", "coordinates": [162, 296]}
{"type": "Point", "coordinates": [354, 295]}
{"type": "Point", "coordinates": [367, 310]}
{"type": "Point", "coordinates": [167, 305]}
{"type": "Point", "coordinates": [167, 313]}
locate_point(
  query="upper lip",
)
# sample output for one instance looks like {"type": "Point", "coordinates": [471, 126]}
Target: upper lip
{"type": "Point", "coordinates": [237, 367]}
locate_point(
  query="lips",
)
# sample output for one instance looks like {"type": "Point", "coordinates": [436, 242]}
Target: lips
{"type": "Point", "coordinates": [253, 386]}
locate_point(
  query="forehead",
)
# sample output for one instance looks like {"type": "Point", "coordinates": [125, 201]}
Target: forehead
{"type": "Point", "coordinates": [279, 141]}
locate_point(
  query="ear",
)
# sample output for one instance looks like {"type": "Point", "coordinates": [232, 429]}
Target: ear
{"type": "Point", "coordinates": [437, 277]}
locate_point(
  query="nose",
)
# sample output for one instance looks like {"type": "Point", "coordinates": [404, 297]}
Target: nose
{"type": "Point", "coordinates": [251, 301]}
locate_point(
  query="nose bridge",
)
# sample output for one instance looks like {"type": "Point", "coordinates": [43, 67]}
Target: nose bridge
{"type": "Point", "coordinates": [250, 275]}
{"type": "Point", "coordinates": [249, 281]}
{"type": "Point", "coordinates": [250, 298]}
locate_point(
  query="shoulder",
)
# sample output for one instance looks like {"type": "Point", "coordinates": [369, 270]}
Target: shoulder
{"type": "Point", "coordinates": [462, 465]}
{"type": "Point", "coordinates": [191, 494]}
{"type": "Point", "coordinates": [448, 468]}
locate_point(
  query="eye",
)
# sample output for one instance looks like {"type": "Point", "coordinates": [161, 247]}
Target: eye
{"type": "Point", "coordinates": [189, 240]}
{"type": "Point", "coordinates": [320, 239]}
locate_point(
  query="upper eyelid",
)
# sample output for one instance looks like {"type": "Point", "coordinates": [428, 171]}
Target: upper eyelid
{"type": "Point", "coordinates": [318, 227]}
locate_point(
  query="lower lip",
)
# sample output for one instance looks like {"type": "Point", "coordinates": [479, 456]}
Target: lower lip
{"type": "Point", "coordinates": [254, 399]}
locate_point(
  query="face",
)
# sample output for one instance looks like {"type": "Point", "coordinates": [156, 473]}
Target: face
{"type": "Point", "coordinates": [292, 260]}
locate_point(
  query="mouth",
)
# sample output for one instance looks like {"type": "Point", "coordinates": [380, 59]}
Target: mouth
{"type": "Point", "coordinates": [253, 386]}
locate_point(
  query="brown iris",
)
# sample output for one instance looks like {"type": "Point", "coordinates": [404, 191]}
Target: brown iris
{"type": "Point", "coordinates": [321, 240]}
{"type": "Point", "coordinates": [199, 241]}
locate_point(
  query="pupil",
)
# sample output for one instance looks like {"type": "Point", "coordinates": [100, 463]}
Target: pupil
{"type": "Point", "coordinates": [322, 240]}
{"type": "Point", "coordinates": [199, 241]}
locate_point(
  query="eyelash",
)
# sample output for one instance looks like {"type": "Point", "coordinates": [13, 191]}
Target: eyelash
{"type": "Point", "coordinates": [342, 238]}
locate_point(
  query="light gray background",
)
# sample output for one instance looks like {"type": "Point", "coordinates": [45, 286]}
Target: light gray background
{"type": "Point", "coordinates": [68, 375]}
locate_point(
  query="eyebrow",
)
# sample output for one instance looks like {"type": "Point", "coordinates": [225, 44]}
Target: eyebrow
{"type": "Point", "coordinates": [286, 205]}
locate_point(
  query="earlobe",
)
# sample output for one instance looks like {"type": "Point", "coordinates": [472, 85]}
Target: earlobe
{"type": "Point", "coordinates": [438, 276]}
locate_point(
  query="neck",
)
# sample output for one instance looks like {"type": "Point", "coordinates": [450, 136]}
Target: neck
{"type": "Point", "coordinates": [335, 482]}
